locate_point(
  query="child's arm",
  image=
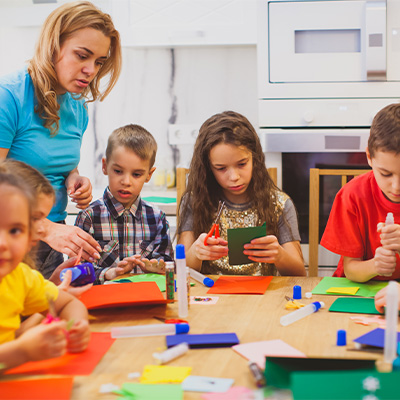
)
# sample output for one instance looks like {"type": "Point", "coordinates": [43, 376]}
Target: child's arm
{"type": "Point", "coordinates": [196, 252]}
{"type": "Point", "coordinates": [380, 299]}
{"type": "Point", "coordinates": [357, 270]}
{"type": "Point", "coordinates": [70, 308]}
{"type": "Point", "coordinates": [38, 343]}
{"type": "Point", "coordinates": [288, 258]}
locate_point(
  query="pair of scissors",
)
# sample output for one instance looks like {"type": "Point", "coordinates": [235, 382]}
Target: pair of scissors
{"type": "Point", "coordinates": [215, 227]}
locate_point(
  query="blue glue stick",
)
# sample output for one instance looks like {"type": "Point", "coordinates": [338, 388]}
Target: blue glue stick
{"type": "Point", "coordinates": [82, 274]}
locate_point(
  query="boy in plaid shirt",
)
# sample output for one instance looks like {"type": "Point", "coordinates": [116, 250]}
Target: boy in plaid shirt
{"type": "Point", "coordinates": [133, 234]}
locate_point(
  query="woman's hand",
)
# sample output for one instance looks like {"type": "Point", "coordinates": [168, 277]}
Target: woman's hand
{"type": "Point", "coordinates": [215, 249]}
{"type": "Point", "coordinates": [70, 239]}
{"type": "Point", "coordinates": [265, 249]}
{"type": "Point", "coordinates": [79, 189]}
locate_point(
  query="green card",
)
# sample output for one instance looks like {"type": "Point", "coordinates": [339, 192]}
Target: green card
{"type": "Point", "coordinates": [157, 278]}
{"type": "Point", "coordinates": [345, 385]}
{"type": "Point", "coordinates": [279, 370]}
{"type": "Point", "coordinates": [367, 289]}
{"type": "Point", "coordinates": [357, 305]}
{"type": "Point", "coordinates": [145, 391]}
{"type": "Point", "coordinates": [238, 237]}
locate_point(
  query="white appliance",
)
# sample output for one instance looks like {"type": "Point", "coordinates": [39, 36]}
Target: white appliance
{"type": "Point", "coordinates": [325, 68]}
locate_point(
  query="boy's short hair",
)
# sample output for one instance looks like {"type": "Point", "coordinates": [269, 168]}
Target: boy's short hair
{"type": "Point", "coordinates": [385, 130]}
{"type": "Point", "coordinates": [135, 138]}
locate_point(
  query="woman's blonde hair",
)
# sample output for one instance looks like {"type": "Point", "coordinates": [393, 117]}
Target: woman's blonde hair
{"type": "Point", "coordinates": [59, 26]}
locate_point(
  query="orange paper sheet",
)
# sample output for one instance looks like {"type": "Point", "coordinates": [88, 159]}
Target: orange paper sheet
{"type": "Point", "coordinates": [37, 389]}
{"type": "Point", "coordinates": [122, 294]}
{"type": "Point", "coordinates": [70, 364]}
{"type": "Point", "coordinates": [240, 285]}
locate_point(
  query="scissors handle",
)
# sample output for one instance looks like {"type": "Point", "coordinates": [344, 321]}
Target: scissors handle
{"type": "Point", "coordinates": [214, 229]}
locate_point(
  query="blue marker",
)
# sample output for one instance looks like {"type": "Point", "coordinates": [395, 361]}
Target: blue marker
{"type": "Point", "coordinates": [201, 278]}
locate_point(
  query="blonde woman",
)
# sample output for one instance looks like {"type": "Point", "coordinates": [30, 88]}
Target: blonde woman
{"type": "Point", "coordinates": [43, 115]}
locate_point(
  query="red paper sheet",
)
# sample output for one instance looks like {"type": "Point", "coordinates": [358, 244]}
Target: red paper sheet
{"type": "Point", "coordinates": [37, 389]}
{"type": "Point", "coordinates": [240, 285]}
{"type": "Point", "coordinates": [122, 294]}
{"type": "Point", "coordinates": [70, 364]}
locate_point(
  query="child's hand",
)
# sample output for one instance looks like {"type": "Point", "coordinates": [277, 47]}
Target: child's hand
{"type": "Point", "coordinates": [125, 266]}
{"type": "Point", "coordinates": [75, 291]}
{"type": "Point", "coordinates": [265, 249]}
{"type": "Point", "coordinates": [215, 249]}
{"type": "Point", "coordinates": [153, 266]}
{"type": "Point", "coordinates": [380, 299]}
{"type": "Point", "coordinates": [384, 261]}
{"type": "Point", "coordinates": [390, 236]}
{"type": "Point", "coordinates": [44, 341]}
{"type": "Point", "coordinates": [78, 337]}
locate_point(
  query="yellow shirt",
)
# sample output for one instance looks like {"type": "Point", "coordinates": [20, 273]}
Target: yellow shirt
{"type": "Point", "coordinates": [24, 291]}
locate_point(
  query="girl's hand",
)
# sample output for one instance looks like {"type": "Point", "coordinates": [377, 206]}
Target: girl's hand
{"type": "Point", "coordinates": [75, 291]}
{"type": "Point", "coordinates": [380, 299]}
{"type": "Point", "coordinates": [78, 337]}
{"type": "Point", "coordinates": [265, 249]}
{"type": "Point", "coordinates": [153, 266]}
{"type": "Point", "coordinates": [79, 189]}
{"type": "Point", "coordinates": [384, 261]}
{"type": "Point", "coordinates": [390, 236]}
{"type": "Point", "coordinates": [44, 341]}
{"type": "Point", "coordinates": [215, 249]}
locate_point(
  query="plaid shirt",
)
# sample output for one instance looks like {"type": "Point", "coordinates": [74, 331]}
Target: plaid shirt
{"type": "Point", "coordinates": [142, 229]}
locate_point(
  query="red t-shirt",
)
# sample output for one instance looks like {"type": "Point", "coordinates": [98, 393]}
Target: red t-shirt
{"type": "Point", "coordinates": [351, 228]}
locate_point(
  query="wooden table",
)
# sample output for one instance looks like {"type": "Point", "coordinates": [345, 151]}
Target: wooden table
{"type": "Point", "coordinates": [251, 317]}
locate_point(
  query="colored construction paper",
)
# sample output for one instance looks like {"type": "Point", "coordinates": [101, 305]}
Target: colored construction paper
{"type": "Point", "coordinates": [279, 370]}
{"type": "Point", "coordinates": [368, 289]}
{"type": "Point", "coordinates": [145, 391]}
{"type": "Point", "coordinates": [234, 393]}
{"type": "Point", "coordinates": [257, 351]}
{"type": "Point", "coordinates": [206, 384]}
{"type": "Point", "coordinates": [203, 300]}
{"type": "Point", "coordinates": [343, 290]}
{"type": "Point", "coordinates": [374, 338]}
{"type": "Point", "coordinates": [70, 363]}
{"type": "Point", "coordinates": [238, 237]}
{"type": "Point", "coordinates": [160, 199]}
{"type": "Point", "coordinates": [205, 340]}
{"type": "Point", "coordinates": [346, 385]}
{"type": "Point", "coordinates": [37, 389]}
{"type": "Point", "coordinates": [359, 305]}
{"type": "Point", "coordinates": [122, 295]}
{"type": "Point", "coordinates": [376, 319]}
{"type": "Point", "coordinates": [240, 285]}
{"type": "Point", "coordinates": [157, 278]}
{"type": "Point", "coordinates": [164, 374]}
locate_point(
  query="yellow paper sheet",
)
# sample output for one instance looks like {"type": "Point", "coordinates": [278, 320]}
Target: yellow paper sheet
{"type": "Point", "coordinates": [343, 290]}
{"type": "Point", "coordinates": [164, 374]}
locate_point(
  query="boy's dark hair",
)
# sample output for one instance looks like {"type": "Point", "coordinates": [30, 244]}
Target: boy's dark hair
{"type": "Point", "coordinates": [385, 130]}
{"type": "Point", "coordinates": [135, 138]}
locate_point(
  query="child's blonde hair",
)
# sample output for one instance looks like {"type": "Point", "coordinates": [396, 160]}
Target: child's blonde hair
{"type": "Point", "coordinates": [59, 26]}
{"type": "Point", "coordinates": [203, 191]}
{"type": "Point", "coordinates": [135, 138]}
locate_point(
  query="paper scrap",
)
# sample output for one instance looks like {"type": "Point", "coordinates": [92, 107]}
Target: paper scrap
{"type": "Point", "coordinates": [239, 284]}
{"type": "Point", "coordinates": [234, 393]}
{"type": "Point", "coordinates": [206, 384]}
{"type": "Point", "coordinates": [164, 374]}
{"type": "Point", "coordinates": [145, 391]}
{"type": "Point", "coordinates": [257, 351]}
{"type": "Point", "coordinates": [343, 290]}
{"type": "Point", "coordinates": [207, 300]}
{"type": "Point", "coordinates": [378, 319]}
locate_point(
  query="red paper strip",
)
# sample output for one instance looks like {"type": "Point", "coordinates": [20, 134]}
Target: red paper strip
{"type": "Point", "coordinates": [240, 285]}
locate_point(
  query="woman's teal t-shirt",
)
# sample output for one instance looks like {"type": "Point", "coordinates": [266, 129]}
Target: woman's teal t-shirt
{"type": "Point", "coordinates": [23, 133]}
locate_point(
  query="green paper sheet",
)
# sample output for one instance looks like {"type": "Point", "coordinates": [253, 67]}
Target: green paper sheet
{"type": "Point", "coordinates": [158, 199]}
{"type": "Point", "coordinates": [357, 305]}
{"type": "Point", "coordinates": [157, 278]}
{"type": "Point", "coordinates": [368, 289]}
{"type": "Point", "coordinates": [344, 385]}
{"type": "Point", "coordinates": [238, 237]}
{"type": "Point", "coordinates": [144, 391]}
{"type": "Point", "coordinates": [279, 370]}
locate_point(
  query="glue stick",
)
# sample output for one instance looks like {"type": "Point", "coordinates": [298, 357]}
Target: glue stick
{"type": "Point", "coordinates": [182, 280]}
{"type": "Point", "coordinates": [391, 314]}
{"type": "Point", "coordinates": [171, 353]}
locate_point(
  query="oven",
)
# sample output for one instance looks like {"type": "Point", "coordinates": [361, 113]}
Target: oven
{"type": "Point", "coordinates": [325, 68]}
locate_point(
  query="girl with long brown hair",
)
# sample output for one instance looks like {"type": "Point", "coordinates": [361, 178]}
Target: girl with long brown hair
{"type": "Point", "coordinates": [228, 165]}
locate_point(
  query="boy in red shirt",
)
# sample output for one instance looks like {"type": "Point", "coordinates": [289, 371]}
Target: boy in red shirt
{"type": "Point", "coordinates": [356, 227]}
